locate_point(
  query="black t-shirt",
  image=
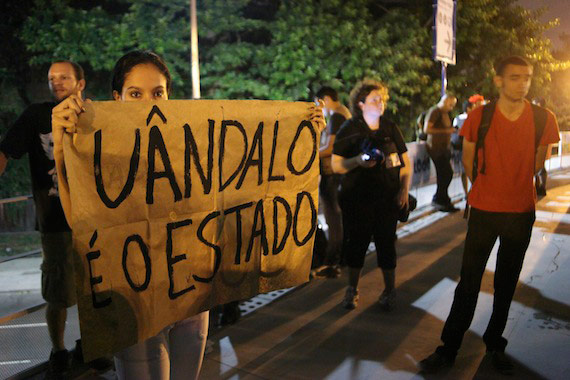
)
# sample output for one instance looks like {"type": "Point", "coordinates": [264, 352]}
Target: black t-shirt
{"type": "Point", "coordinates": [333, 126]}
{"type": "Point", "coordinates": [438, 144]}
{"type": "Point", "coordinates": [335, 122]}
{"type": "Point", "coordinates": [31, 134]}
{"type": "Point", "coordinates": [380, 183]}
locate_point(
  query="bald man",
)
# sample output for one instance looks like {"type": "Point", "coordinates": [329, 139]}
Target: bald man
{"type": "Point", "coordinates": [439, 129]}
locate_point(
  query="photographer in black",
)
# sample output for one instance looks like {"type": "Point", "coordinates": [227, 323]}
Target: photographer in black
{"type": "Point", "coordinates": [370, 151]}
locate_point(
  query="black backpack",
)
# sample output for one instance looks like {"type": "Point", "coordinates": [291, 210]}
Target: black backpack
{"type": "Point", "coordinates": [539, 116]}
{"type": "Point", "coordinates": [421, 135]}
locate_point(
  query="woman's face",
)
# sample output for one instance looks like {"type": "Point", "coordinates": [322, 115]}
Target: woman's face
{"type": "Point", "coordinates": [373, 104]}
{"type": "Point", "coordinates": [143, 82]}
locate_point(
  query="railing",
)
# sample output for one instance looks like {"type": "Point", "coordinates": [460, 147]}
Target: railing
{"type": "Point", "coordinates": [17, 214]}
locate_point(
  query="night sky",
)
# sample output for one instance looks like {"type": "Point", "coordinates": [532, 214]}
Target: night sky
{"type": "Point", "coordinates": [556, 9]}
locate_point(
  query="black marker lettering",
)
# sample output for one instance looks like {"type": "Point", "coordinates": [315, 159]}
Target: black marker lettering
{"type": "Point", "coordinates": [278, 247]}
{"type": "Point", "coordinates": [304, 124]}
{"type": "Point", "coordinates": [144, 252]}
{"type": "Point", "coordinates": [217, 249]}
{"type": "Point", "coordinates": [262, 231]}
{"type": "Point", "coordinates": [133, 168]}
{"type": "Point", "coordinates": [170, 261]}
{"type": "Point", "coordinates": [94, 255]}
{"type": "Point", "coordinates": [225, 124]}
{"type": "Point", "coordinates": [237, 210]}
{"type": "Point", "coordinates": [256, 143]}
{"type": "Point", "coordinates": [156, 142]}
{"type": "Point", "coordinates": [272, 160]}
{"type": "Point", "coordinates": [300, 197]}
{"type": "Point", "coordinates": [191, 150]}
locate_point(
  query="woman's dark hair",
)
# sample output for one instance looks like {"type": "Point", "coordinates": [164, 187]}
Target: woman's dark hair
{"type": "Point", "coordinates": [361, 91]}
{"type": "Point", "coordinates": [136, 57]}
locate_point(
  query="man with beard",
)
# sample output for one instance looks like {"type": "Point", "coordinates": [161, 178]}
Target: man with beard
{"type": "Point", "coordinates": [31, 134]}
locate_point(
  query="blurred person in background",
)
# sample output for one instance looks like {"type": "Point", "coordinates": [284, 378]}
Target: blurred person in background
{"type": "Point", "coordinates": [469, 105]}
{"type": "Point", "coordinates": [438, 128]}
{"type": "Point", "coordinates": [336, 114]}
{"type": "Point", "coordinates": [542, 175]}
{"type": "Point", "coordinates": [32, 134]}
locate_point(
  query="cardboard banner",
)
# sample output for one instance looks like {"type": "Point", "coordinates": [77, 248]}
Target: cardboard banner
{"type": "Point", "coordinates": [182, 205]}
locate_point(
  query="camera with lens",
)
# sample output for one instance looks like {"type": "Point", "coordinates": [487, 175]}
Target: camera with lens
{"type": "Point", "coordinates": [371, 151]}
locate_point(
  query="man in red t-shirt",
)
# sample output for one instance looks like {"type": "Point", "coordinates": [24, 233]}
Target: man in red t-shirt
{"type": "Point", "coordinates": [502, 201]}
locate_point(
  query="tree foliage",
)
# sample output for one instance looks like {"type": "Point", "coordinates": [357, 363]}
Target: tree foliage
{"type": "Point", "coordinates": [282, 49]}
{"type": "Point", "coordinates": [490, 29]}
{"type": "Point", "coordinates": [273, 49]}
{"type": "Point", "coordinates": [559, 96]}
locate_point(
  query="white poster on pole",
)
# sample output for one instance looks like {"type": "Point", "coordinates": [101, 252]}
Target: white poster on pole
{"type": "Point", "coordinates": [444, 33]}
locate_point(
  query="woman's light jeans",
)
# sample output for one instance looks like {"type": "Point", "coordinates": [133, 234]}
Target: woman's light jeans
{"type": "Point", "coordinates": [174, 353]}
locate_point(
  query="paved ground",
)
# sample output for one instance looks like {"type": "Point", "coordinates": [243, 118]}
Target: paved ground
{"type": "Point", "coordinates": [307, 335]}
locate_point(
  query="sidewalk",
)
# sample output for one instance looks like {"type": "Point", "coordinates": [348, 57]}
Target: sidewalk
{"type": "Point", "coordinates": [306, 334]}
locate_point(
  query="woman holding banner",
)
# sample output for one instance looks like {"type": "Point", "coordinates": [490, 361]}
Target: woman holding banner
{"type": "Point", "coordinates": [370, 150]}
{"type": "Point", "coordinates": [178, 350]}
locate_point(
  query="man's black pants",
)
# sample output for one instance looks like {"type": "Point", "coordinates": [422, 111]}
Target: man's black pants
{"type": "Point", "coordinates": [514, 231]}
{"type": "Point", "coordinates": [444, 174]}
{"type": "Point", "coordinates": [328, 189]}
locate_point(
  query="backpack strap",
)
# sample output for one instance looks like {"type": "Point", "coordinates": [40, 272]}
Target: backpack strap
{"type": "Point", "coordinates": [487, 116]}
{"type": "Point", "coordinates": [539, 113]}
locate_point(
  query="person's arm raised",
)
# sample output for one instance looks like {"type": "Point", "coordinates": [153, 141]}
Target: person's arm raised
{"type": "Point", "coordinates": [318, 117]}
{"type": "Point", "coordinates": [64, 118]}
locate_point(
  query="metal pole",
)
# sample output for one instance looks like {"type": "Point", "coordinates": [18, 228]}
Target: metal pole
{"type": "Point", "coordinates": [194, 51]}
{"type": "Point", "coordinates": [443, 78]}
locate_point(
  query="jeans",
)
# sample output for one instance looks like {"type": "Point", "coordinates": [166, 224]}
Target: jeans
{"type": "Point", "coordinates": [514, 231]}
{"type": "Point", "coordinates": [444, 174]}
{"type": "Point", "coordinates": [329, 196]}
{"type": "Point", "coordinates": [174, 353]}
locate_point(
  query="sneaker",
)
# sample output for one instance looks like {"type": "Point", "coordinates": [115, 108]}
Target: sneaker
{"type": "Point", "coordinates": [448, 207]}
{"type": "Point", "coordinates": [435, 362]}
{"type": "Point", "coordinates": [58, 364]}
{"type": "Point", "coordinates": [99, 364]}
{"type": "Point", "coordinates": [438, 206]}
{"type": "Point", "coordinates": [501, 362]}
{"type": "Point", "coordinates": [231, 313]}
{"type": "Point", "coordinates": [387, 300]}
{"type": "Point", "coordinates": [350, 300]}
{"type": "Point", "coordinates": [77, 353]}
{"type": "Point", "coordinates": [328, 271]}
